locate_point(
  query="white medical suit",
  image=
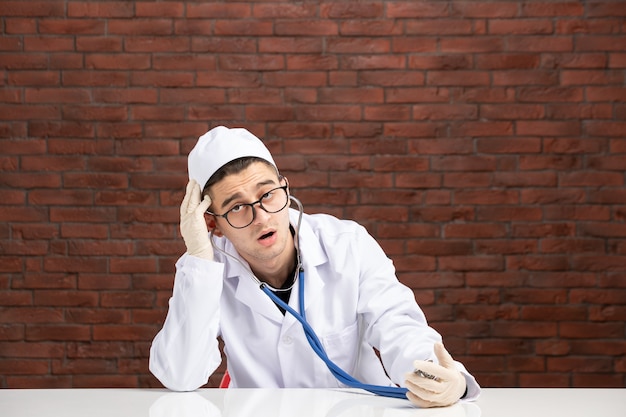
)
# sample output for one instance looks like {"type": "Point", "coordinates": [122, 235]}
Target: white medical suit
{"type": "Point", "coordinates": [353, 301]}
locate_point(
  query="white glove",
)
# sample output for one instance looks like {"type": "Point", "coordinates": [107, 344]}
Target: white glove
{"type": "Point", "coordinates": [193, 227]}
{"type": "Point", "coordinates": [432, 385]}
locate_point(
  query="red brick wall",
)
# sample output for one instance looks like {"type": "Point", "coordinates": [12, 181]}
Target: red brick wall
{"type": "Point", "coordinates": [483, 144]}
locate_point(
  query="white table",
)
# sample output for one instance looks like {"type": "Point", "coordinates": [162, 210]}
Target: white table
{"type": "Point", "coordinates": [302, 403]}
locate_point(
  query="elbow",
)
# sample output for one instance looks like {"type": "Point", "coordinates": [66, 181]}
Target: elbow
{"type": "Point", "coordinates": [172, 381]}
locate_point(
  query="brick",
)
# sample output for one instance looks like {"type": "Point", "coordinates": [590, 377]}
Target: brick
{"type": "Point", "coordinates": [105, 381]}
{"type": "Point", "coordinates": [589, 25]}
{"type": "Point", "coordinates": [408, 44]}
{"type": "Point", "coordinates": [471, 45]}
{"type": "Point", "coordinates": [95, 78]}
{"type": "Point", "coordinates": [122, 332]}
{"type": "Point", "coordinates": [485, 95]}
{"type": "Point", "coordinates": [23, 366]}
{"type": "Point", "coordinates": [57, 333]}
{"type": "Point", "coordinates": [521, 77]}
{"type": "Point", "coordinates": [161, 9]}
{"type": "Point", "coordinates": [538, 196]}
{"type": "Point", "coordinates": [540, 44]}
{"type": "Point", "coordinates": [544, 380]}
{"type": "Point", "coordinates": [483, 197]}
{"type": "Point", "coordinates": [99, 61]}
{"type": "Point", "coordinates": [394, 163]}
{"type": "Point", "coordinates": [245, 28]}
{"type": "Point", "coordinates": [601, 43]}
{"type": "Point", "coordinates": [72, 26]}
{"type": "Point", "coordinates": [408, 9]}
{"type": "Point", "coordinates": [525, 330]}
{"type": "Point", "coordinates": [606, 93]}
{"type": "Point", "coordinates": [440, 146]}
{"type": "Point", "coordinates": [99, 43]}
{"type": "Point", "coordinates": [135, 299]}
{"type": "Point", "coordinates": [373, 62]}
{"type": "Point", "coordinates": [589, 77]}
{"type": "Point", "coordinates": [520, 26]}
{"type": "Point", "coordinates": [577, 60]}
{"type": "Point", "coordinates": [290, 45]}
{"type": "Point", "coordinates": [617, 60]}
{"type": "Point", "coordinates": [509, 61]}
{"type": "Point", "coordinates": [499, 346]}
{"type": "Point", "coordinates": [370, 27]}
{"type": "Point", "coordinates": [235, 11]}
{"type": "Point", "coordinates": [458, 78]}
{"type": "Point", "coordinates": [582, 330]}
{"type": "Point", "coordinates": [30, 78]}
{"type": "Point", "coordinates": [397, 78]}
{"type": "Point", "coordinates": [561, 8]}
{"type": "Point", "coordinates": [548, 128]}
{"type": "Point", "coordinates": [20, 25]}
{"type": "Point", "coordinates": [439, 248]}
{"type": "Point", "coordinates": [474, 230]}
{"type": "Point", "coordinates": [33, 8]}
{"type": "Point", "coordinates": [557, 94]}
{"type": "Point", "coordinates": [439, 27]}
{"type": "Point", "coordinates": [100, 9]}
{"type": "Point", "coordinates": [306, 28]}
{"type": "Point", "coordinates": [284, 10]}
{"type": "Point", "coordinates": [150, 44]}
{"type": "Point", "coordinates": [443, 214]}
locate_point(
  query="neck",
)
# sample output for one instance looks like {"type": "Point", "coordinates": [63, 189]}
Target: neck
{"type": "Point", "coordinates": [281, 272]}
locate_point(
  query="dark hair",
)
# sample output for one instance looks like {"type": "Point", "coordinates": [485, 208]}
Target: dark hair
{"type": "Point", "coordinates": [233, 167]}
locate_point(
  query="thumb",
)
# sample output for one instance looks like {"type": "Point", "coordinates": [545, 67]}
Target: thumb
{"type": "Point", "coordinates": [443, 356]}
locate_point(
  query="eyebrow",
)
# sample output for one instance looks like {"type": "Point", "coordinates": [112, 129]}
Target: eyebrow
{"type": "Point", "coordinates": [238, 195]}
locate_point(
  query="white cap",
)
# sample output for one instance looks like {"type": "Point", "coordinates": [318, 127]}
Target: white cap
{"type": "Point", "coordinates": [219, 146]}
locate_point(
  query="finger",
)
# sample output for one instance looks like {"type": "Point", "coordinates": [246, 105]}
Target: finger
{"type": "Point", "coordinates": [194, 199]}
{"type": "Point", "coordinates": [435, 397]}
{"type": "Point", "coordinates": [429, 368]}
{"type": "Point", "coordinates": [445, 359]}
{"type": "Point", "coordinates": [205, 204]}
{"type": "Point", "coordinates": [424, 386]}
{"type": "Point", "coordinates": [185, 202]}
{"type": "Point", "coordinates": [420, 402]}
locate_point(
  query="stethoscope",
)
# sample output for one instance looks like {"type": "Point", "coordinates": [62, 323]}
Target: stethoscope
{"type": "Point", "coordinates": [341, 375]}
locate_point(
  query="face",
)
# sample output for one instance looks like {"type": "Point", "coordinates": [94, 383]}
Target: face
{"type": "Point", "coordinates": [267, 241]}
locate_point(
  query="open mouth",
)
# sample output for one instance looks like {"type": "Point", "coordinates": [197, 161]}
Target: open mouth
{"type": "Point", "coordinates": [266, 236]}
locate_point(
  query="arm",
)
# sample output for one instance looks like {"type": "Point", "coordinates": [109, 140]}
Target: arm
{"type": "Point", "coordinates": [396, 324]}
{"type": "Point", "coordinates": [185, 352]}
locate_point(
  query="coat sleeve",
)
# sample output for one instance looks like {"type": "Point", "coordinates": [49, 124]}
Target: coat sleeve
{"type": "Point", "coordinates": [185, 352]}
{"type": "Point", "coordinates": [395, 324]}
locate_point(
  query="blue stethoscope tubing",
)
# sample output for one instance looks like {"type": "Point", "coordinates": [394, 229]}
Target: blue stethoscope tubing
{"type": "Point", "coordinates": [341, 375]}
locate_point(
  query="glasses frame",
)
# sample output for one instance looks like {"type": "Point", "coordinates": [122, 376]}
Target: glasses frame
{"type": "Point", "coordinates": [285, 188]}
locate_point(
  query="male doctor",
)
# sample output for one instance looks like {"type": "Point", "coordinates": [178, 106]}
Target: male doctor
{"type": "Point", "coordinates": [237, 225]}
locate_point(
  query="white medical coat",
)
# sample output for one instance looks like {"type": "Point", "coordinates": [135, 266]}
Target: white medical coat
{"type": "Point", "coordinates": [353, 301]}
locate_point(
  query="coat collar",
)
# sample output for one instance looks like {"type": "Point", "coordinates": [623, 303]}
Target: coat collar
{"type": "Point", "coordinates": [247, 290]}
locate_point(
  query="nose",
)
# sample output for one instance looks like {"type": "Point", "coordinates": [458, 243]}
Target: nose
{"type": "Point", "coordinates": [259, 213]}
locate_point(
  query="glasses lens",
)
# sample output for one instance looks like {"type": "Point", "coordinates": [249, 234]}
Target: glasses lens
{"type": "Point", "coordinates": [275, 200]}
{"type": "Point", "coordinates": [240, 216]}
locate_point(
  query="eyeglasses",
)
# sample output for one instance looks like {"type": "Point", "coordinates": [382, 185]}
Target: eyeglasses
{"type": "Point", "coordinates": [242, 215]}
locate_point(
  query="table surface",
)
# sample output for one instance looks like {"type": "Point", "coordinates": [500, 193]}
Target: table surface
{"type": "Point", "coordinates": [113, 402]}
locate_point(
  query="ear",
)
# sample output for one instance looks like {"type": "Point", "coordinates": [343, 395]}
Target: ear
{"type": "Point", "coordinates": [213, 227]}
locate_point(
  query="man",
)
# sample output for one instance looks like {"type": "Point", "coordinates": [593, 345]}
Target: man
{"type": "Point", "coordinates": [352, 297]}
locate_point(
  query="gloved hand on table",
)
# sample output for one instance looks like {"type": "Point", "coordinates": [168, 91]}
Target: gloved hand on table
{"type": "Point", "coordinates": [193, 227]}
{"type": "Point", "coordinates": [435, 385]}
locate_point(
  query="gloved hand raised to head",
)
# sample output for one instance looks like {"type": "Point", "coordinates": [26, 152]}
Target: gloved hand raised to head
{"type": "Point", "coordinates": [435, 385]}
{"type": "Point", "coordinates": [193, 227]}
